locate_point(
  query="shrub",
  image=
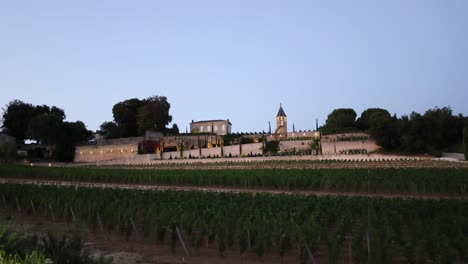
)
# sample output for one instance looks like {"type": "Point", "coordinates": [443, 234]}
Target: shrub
{"type": "Point", "coordinates": [247, 140]}
{"type": "Point", "coordinates": [147, 147]}
{"type": "Point", "coordinates": [272, 147]}
{"type": "Point", "coordinates": [7, 151]}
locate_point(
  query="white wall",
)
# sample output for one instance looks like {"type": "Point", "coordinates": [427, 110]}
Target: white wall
{"type": "Point", "coordinates": [233, 150]}
{"type": "Point", "coordinates": [254, 149]}
{"type": "Point", "coordinates": [329, 147]}
{"type": "Point", "coordinates": [212, 152]}
{"type": "Point", "coordinates": [297, 145]}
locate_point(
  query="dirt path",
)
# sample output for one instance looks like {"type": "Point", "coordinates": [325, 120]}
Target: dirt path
{"type": "Point", "coordinates": [224, 190]}
{"type": "Point", "coordinates": [282, 164]}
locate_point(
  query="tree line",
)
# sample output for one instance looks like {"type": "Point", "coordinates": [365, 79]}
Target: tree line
{"type": "Point", "coordinates": [47, 126]}
{"type": "Point", "coordinates": [434, 131]}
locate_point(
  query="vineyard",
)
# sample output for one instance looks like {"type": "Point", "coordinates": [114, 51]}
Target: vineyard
{"type": "Point", "coordinates": [432, 181]}
{"type": "Point", "coordinates": [333, 229]}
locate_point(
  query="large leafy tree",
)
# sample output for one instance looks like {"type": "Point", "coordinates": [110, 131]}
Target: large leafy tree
{"type": "Point", "coordinates": [125, 116]}
{"type": "Point", "coordinates": [133, 117]}
{"type": "Point", "coordinates": [45, 128]}
{"type": "Point", "coordinates": [432, 132]}
{"type": "Point", "coordinates": [109, 130]}
{"type": "Point", "coordinates": [341, 118]}
{"type": "Point", "coordinates": [364, 122]}
{"type": "Point", "coordinates": [71, 133]}
{"type": "Point", "coordinates": [154, 114]}
{"type": "Point", "coordinates": [16, 117]}
{"type": "Point", "coordinates": [384, 130]}
{"type": "Point", "coordinates": [45, 125]}
{"type": "Point", "coordinates": [445, 128]}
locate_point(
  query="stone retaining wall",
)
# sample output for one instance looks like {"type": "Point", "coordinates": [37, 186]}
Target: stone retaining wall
{"type": "Point", "coordinates": [151, 159]}
{"type": "Point", "coordinates": [105, 152]}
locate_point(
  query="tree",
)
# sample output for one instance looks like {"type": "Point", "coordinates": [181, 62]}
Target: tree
{"type": "Point", "coordinates": [16, 117]}
{"type": "Point", "coordinates": [384, 130]}
{"type": "Point", "coordinates": [363, 122]}
{"type": "Point", "coordinates": [7, 151]}
{"type": "Point", "coordinates": [109, 130]}
{"type": "Point", "coordinates": [341, 118]}
{"type": "Point", "coordinates": [71, 133]}
{"type": "Point", "coordinates": [444, 128]}
{"type": "Point", "coordinates": [125, 116]}
{"type": "Point", "coordinates": [174, 130]}
{"type": "Point", "coordinates": [154, 114]}
{"type": "Point", "coordinates": [46, 125]}
{"type": "Point", "coordinates": [465, 141]}
{"type": "Point", "coordinates": [412, 138]}
{"type": "Point", "coordinates": [45, 128]}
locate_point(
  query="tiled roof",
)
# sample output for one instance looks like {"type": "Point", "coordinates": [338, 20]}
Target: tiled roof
{"type": "Point", "coordinates": [207, 121]}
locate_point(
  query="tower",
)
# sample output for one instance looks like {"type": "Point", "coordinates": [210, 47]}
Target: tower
{"type": "Point", "coordinates": [281, 122]}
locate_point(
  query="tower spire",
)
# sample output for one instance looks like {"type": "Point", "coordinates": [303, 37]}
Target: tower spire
{"type": "Point", "coordinates": [281, 122]}
{"type": "Point", "coordinates": [281, 111]}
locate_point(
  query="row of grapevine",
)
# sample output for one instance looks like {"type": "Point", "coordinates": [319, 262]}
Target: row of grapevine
{"type": "Point", "coordinates": [417, 181]}
{"type": "Point", "coordinates": [378, 229]}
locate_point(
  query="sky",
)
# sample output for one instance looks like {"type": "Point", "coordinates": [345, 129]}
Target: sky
{"type": "Point", "coordinates": [236, 59]}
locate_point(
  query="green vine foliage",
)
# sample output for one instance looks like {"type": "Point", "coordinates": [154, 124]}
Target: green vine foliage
{"type": "Point", "coordinates": [389, 180]}
{"type": "Point", "coordinates": [259, 223]}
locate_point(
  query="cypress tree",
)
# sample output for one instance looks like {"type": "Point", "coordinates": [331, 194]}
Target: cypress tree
{"type": "Point", "coordinates": [465, 142]}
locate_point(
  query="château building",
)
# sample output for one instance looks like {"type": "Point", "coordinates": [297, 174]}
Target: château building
{"type": "Point", "coordinates": [218, 127]}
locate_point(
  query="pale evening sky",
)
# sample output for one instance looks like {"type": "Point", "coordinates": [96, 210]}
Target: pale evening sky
{"type": "Point", "coordinates": [235, 59]}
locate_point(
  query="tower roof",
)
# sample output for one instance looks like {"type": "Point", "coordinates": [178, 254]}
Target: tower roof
{"type": "Point", "coordinates": [281, 112]}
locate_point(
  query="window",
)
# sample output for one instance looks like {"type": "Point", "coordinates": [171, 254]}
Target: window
{"type": "Point", "coordinates": [215, 128]}
{"type": "Point", "coordinates": [201, 129]}
{"type": "Point", "coordinates": [209, 129]}
{"type": "Point", "coordinates": [223, 127]}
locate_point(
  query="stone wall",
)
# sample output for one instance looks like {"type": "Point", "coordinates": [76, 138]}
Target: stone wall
{"type": "Point", "coordinates": [294, 145]}
{"type": "Point", "coordinates": [194, 153]}
{"type": "Point", "coordinates": [252, 149]}
{"type": "Point", "coordinates": [329, 148]}
{"type": "Point", "coordinates": [171, 154]}
{"type": "Point", "coordinates": [119, 141]}
{"type": "Point", "coordinates": [106, 152]}
{"type": "Point", "coordinates": [331, 144]}
{"type": "Point", "coordinates": [211, 152]}
{"type": "Point", "coordinates": [233, 150]}
{"type": "Point", "coordinates": [150, 159]}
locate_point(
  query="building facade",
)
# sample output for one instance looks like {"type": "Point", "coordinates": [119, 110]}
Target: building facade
{"type": "Point", "coordinates": [218, 127]}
